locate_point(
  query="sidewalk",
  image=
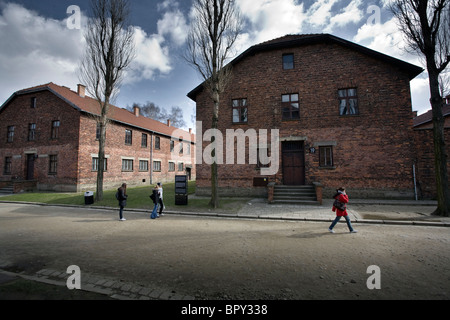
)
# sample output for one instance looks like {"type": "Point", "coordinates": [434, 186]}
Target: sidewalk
{"type": "Point", "coordinates": [259, 209]}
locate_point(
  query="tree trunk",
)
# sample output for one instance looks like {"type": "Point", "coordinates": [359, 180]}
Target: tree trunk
{"type": "Point", "coordinates": [440, 154]}
{"type": "Point", "coordinates": [214, 202]}
{"type": "Point", "coordinates": [101, 154]}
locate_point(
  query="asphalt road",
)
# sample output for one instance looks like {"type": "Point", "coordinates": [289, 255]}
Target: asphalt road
{"type": "Point", "coordinates": [236, 259]}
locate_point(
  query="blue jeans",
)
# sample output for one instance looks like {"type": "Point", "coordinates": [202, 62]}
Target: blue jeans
{"type": "Point", "coordinates": [121, 212]}
{"type": "Point", "coordinates": [154, 212]}
{"type": "Point", "coordinates": [349, 224]}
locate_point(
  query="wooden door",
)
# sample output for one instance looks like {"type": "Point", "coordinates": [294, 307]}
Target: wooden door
{"type": "Point", "coordinates": [30, 167]}
{"type": "Point", "coordinates": [293, 162]}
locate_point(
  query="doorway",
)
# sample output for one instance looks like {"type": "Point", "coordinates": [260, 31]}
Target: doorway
{"type": "Point", "coordinates": [30, 166]}
{"type": "Point", "coordinates": [293, 163]}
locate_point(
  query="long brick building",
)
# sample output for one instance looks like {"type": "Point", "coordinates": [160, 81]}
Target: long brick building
{"type": "Point", "coordinates": [50, 142]}
{"type": "Point", "coordinates": [343, 112]}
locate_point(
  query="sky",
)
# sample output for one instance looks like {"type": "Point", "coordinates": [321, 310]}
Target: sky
{"type": "Point", "coordinates": [42, 41]}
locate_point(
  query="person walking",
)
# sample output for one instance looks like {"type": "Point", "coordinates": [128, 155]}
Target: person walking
{"type": "Point", "coordinates": [340, 207]}
{"type": "Point", "coordinates": [122, 197]}
{"type": "Point", "coordinates": [161, 202]}
{"type": "Point", "coordinates": [155, 197]}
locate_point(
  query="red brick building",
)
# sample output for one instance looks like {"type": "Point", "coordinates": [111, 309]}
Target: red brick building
{"type": "Point", "coordinates": [50, 140]}
{"type": "Point", "coordinates": [424, 161]}
{"type": "Point", "coordinates": [343, 113]}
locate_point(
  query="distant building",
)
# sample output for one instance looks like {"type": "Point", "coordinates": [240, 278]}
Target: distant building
{"type": "Point", "coordinates": [343, 112]}
{"type": "Point", "coordinates": [49, 141]}
{"type": "Point", "coordinates": [423, 133]}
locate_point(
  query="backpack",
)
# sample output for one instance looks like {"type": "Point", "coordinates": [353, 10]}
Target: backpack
{"type": "Point", "coordinates": [339, 205]}
{"type": "Point", "coordinates": [117, 195]}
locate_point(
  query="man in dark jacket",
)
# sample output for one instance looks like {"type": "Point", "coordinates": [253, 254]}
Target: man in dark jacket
{"type": "Point", "coordinates": [122, 197]}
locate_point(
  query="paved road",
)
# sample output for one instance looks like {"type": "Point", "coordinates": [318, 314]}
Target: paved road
{"type": "Point", "coordinates": [191, 257]}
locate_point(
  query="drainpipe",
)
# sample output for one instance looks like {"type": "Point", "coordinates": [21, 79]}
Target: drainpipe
{"type": "Point", "coordinates": [415, 185]}
{"type": "Point", "coordinates": [151, 159]}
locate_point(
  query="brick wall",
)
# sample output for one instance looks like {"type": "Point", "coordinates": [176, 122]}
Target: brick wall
{"type": "Point", "coordinates": [373, 151]}
{"type": "Point", "coordinates": [116, 150]}
{"type": "Point", "coordinates": [424, 160]}
{"type": "Point", "coordinates": [48, 109]}
{"type": "Point", "coordinates": [76, 146]}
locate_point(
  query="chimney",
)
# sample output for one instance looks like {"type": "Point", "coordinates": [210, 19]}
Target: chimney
{"type": "Point", "coordinates": [168, 123]}
{"type": "Point", "coordinates": [190, 130]}
{"type": "Point", "coordinates": [414, 114]}
{"type": "Point", "coordinates": [81, 90]}
{"type": "Point", "coordinates": [137, 111]}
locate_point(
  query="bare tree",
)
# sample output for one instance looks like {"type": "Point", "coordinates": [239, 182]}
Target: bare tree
{"type": "Point", "coordinates": [213, 33]}
{"type": "Point", "coordinates": [109, 52]}
{"type": "Point", "coordinates": [426, 27]}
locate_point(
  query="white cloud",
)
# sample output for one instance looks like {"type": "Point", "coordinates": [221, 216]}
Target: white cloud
{"type": "Point", "coordinates": [38, 50]}
{"type": "Point", "coordinates": [350, 14]}
{"type": "Point", "coordinates": [174, 24]}
{"type": "Point", "coordinates": [42, 50]}
{"type": "Point", "coordinates": [151, 57]}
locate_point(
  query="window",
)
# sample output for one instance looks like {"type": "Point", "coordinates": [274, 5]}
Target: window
{"type": "Point", "coordinates": [171, 166]}
{"type": "Point", "coordinates": [348, 102]}
{"type": "Point", "coordinates": [127, 165]}
{"type": "Point", "coordinates": [53, 164]}
{"type": "Point", "coordinates": [33, 103]}
{"type": "Point", "coordinates": [144, 140]}
{"type": "Point", "coordinates": [32, 132]}
{"type": "Point", "coordinates": [188, 148]}
{"type": "Point", "coordinates": [143, 165]}
{"type": "Point", "coordinates": [157, 166]}
{"type": "Point", "coordinates": [181, 147]}
{"type": "Point", "coordinates": [10, 136]}
{"type": "Point", "coordinates": [240, 111]}
{"type": "Point", "coordinates": [180, 166]}
{"type": "Point", "coordinates": [290, 106]}
{"type": "Point", "coordinates": [7, 167]}
{"type": "Point", "coordinates": [157, 143]}
{"type": "Point", "coordinates": [172, 145]}
{"type": "Point", "coordinates": [326, 156]}
{"type": "Point", "coordinates": [288, 61]}
{"type": "Point", "coordinates": [95, 164]}
{"type": "Point", "coordinates": [55, 129]}
{"type": "Point", "coordinates": [128, 137]}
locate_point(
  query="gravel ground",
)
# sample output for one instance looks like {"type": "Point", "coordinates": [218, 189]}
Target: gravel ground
{"type": "Point", "coordinates": [217, 258]}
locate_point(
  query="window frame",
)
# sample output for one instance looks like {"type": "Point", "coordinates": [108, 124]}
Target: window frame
{"type": "Point", "coordinates": [55, 129]}
{"type": "Point", "coordinates": [32, 132]}
{"type": "Point", "coordinates": [240, 105]}
{"type": "Point", "coordinates": [95, 163]}
{"type": "Point", "coordinates": [157, 166]}
{"type": "Point", "coordinates": [128, 137]}
{"type": "Point", "coordinates": [326, 157]}
{"type": "Point", "coordinates": [127, 165]}
{"type": "Point", "coordinates": [144, 140]}
{"type": "Point", "coordinates": [143, 166]}
{"type": "Point", "coordinates": [288, 65]}
{"type": "Point", "coordinates": [288, 104]}
{"type": "Point", "coordinates": [53, 164]}
{"type": "Point", "coordinates": [10, 134]}
{"type": "Point", "coordinates": [7, 168]}
{"type": "Point", "coordinates": [347, 98]}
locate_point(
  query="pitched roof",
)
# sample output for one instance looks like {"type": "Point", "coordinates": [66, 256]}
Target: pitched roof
{"type": "Point", "coordinates": [91, 106]}
{"type": "Point", "coordinates": [290, 41]}
{"type": "Point", "coordinates": [428, 116]}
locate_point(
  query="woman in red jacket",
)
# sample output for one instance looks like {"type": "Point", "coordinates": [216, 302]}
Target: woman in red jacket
{"type": "Point", "coordinates": [341, 210]}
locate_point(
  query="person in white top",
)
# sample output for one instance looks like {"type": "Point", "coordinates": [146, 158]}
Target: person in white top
{"type": "Point", "coordinates": [161, 203]}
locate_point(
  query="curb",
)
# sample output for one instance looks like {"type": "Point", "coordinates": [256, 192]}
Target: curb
{"type": "Point", "coordinates": [115, 289]}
